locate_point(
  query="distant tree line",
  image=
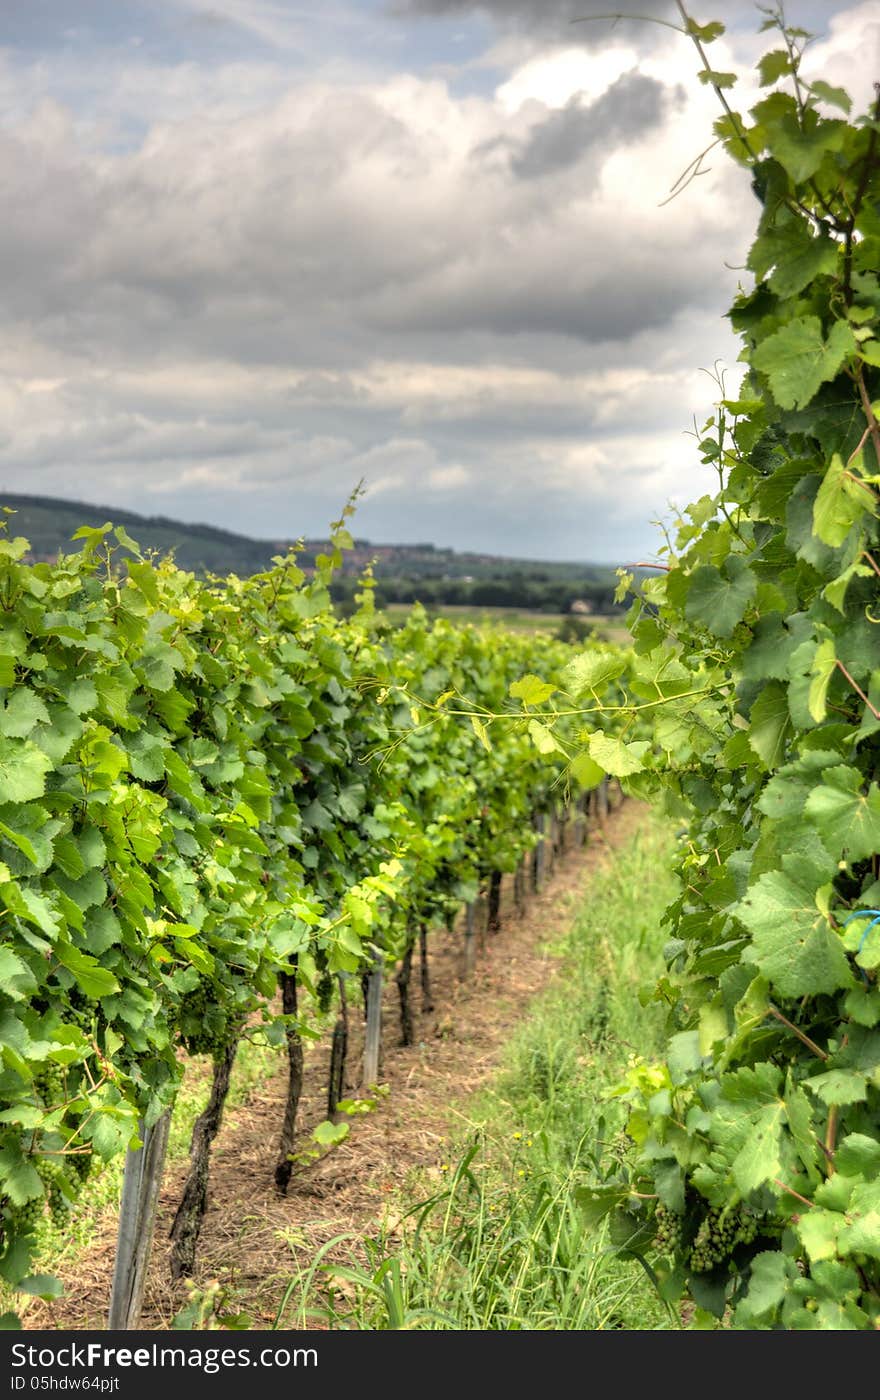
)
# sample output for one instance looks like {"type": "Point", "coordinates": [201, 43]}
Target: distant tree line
{"type": "Point", "coordinates": [508, 591]}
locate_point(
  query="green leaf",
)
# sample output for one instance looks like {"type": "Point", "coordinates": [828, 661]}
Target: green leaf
{"type": "Point", "coordinates": [93, 980]}
{"type": "Point", "coordinates": [16, 978]}
{"type": "Point", "coordinates": [23, 769]}
{"type": "Point", "coordinates": [706, 33]}
{"type": "Point", "coordinates": [591, 670]}
{"type": "Point", "coordinates": [42, 1286]}
{"type": "Point", "coordinates": [716, 79]}
{"type": "Point", "coordinates": [329, 1134]}
{"type": "Point", "coordinates": [146, 753]}
{"type": "Point", "coordinates": [158, 665]}
{"type": "Point", "coordinates": [770, 725]}
{"type": "Point", "coordinates": [848, 819]}
{"type": "Point", "coordinates": [25, 845]}
{"type": "Point", "coordinates": [818, 1230]}
{"type": "Point", "coordinates": [542, 737]}
{"type": "Point", "coordinates": [21, 713]}
{"type": "Point", "coordinates": [126, 540]}
{"type": "Point", "coordinates": [770, 1279]}
{"type": "Point", "coordinates": [841, 501]}
{"type": "Point", "coordinates": [858, 1155]}
{"type": "Point", "coordinates": [102, 930]}
{"type": "Point", "coordinates": [773, 66]}
{"type": "Point", "coordinates": [18, 1176]}
{"type": "Point", "coordinates": [144, 578]}
{"type": "Point", "coordinates": [800, 258]}
{"type": "Point", "coordinates": [799, 146]}
{"type": "Point", "coordinates": [616, 757]}
{"type": "Point", "coordinates": [531, 690]}
{"type": "Point", "coordinates": [718, 598]}
{"type": "Point", "coordinates": [823, 668]}
{"type": "Point", "coordinates": [839, 1086]}
{"type": "Point", "coordinates": [793, 944]}
{"type": "Point", "coordinates": [586, 771]}
{"type": "Point", "coordinates": [836, 96]}
{"type": "Point", "coordinates": [798, 360]}
{"type": "Point", "coordinates": [481, 732]}
{"type": "Point", "coordinates": [81, 696]}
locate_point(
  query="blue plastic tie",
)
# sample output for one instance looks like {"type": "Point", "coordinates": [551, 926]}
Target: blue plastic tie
{"type": "Point", "coordinates": [863, 914]}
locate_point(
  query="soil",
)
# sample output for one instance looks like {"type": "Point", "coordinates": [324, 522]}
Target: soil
{"type": "Point", "coordinates": [254, 1240]}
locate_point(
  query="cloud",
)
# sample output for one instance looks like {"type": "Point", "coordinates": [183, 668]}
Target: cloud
{"type": "Point", "coordinates": [238, 288]}
{"type": "Point", "coordinates": [570, 135]}
{"type": "Point", "coordinates": [549, 17]}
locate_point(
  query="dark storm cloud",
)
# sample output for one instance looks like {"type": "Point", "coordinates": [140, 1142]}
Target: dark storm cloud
{"type": "Point", "coordinates": [630, 107]}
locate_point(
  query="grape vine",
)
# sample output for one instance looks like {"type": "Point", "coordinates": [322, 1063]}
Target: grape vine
{"type": "Point", "coordinates": [754, 1178]}
{"type": "Point", "coordinates": [207, 787]}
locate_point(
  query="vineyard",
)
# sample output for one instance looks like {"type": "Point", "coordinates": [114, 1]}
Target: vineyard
{"type": "Point", "coordinates": [228, 814]}
{"type": "Point", "coordinates": [222, 807]}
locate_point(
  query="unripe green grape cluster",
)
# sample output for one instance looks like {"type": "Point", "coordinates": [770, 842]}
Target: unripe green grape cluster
{"type": "Point", "coordinates": [49, 1083]}
{"type": "Point", "coordinates": [203, 1025]}
{"type": "Point", "coordinates": [667, 1237]}
{"type": "Point", "coordinates": [80, 1163]}
{"type": "Point", "coordinates": [51, 1173]}
{"type": "Point", "coordinates": [23, 1219]}
{"type": "Point", "coordinates": [719, 1234]}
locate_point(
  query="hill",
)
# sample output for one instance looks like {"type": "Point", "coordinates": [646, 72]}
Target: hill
{"type": "Point", "coordinates": [405, 572]}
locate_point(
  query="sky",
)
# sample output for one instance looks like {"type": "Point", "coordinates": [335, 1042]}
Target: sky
{"type": "Point", "coordinates": [253, 252]}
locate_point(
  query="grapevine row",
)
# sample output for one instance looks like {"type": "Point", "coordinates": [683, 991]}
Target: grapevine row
{"type": "Point", "coordinates": [208, 789]}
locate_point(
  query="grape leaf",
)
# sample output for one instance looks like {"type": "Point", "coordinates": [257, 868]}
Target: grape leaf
{"type": "Point", "coordinates": [531, 690]}
{"type": "Point", "coordinates": [848, 818]}
{"type": "Point", "coordinates": [718, 598]}
{"type": "Point", "coordinates": [797, 359]}
{"type": "Point", "coordinates": [23, 770]}
{"type": "Point", "coordinates": [792, 942]}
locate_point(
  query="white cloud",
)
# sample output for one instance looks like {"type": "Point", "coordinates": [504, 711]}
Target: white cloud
{"type": "Point", "coordinates": [241, 287]}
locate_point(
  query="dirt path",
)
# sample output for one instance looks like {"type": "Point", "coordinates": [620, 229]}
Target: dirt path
{"type": "Point", "coordinates": [253, 1240]}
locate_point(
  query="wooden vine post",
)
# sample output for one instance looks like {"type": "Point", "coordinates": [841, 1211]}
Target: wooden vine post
{"type": "Point", "coordinates": [373, 1038]}
{"type": "Point", "coordinates": [338, 1053]}
{"type": "Point", "coordinates": [470, 941]}
{"type": "Point", "coordinates": [425, 969]}
{"type": "Point", "coordinates": [141, 1182]}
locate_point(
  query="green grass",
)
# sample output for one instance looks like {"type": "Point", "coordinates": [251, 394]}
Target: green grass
{"type": "Point", "coordinates": [496, 1239]}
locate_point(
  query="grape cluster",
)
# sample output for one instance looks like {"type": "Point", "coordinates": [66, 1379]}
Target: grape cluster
{"type": "Point", "coordinates": [667, 1237]}
{"type": "Point", "coordinates": [325, 991]}
{"type": "Point", "coordinates": [80, 1163]}
{"type": "Point", "coordinates": [49, 1083]}
{"type": "Point", "coordinates": [719, 1234]}
{"type": "Point", "coordinates": [51, 1173]}
{"type": "Point", "coordinates": [203, 1025]}
{"type": "Point", "coordinates": [24, 1219]}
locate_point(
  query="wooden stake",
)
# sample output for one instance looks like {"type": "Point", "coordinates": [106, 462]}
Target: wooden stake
{"type": "Point", "coordinates": [373, 1039]}
{"type": "Point", "coordinates": [470, 942]}
{"type": "Point", "coordinates": [137, 1218]}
